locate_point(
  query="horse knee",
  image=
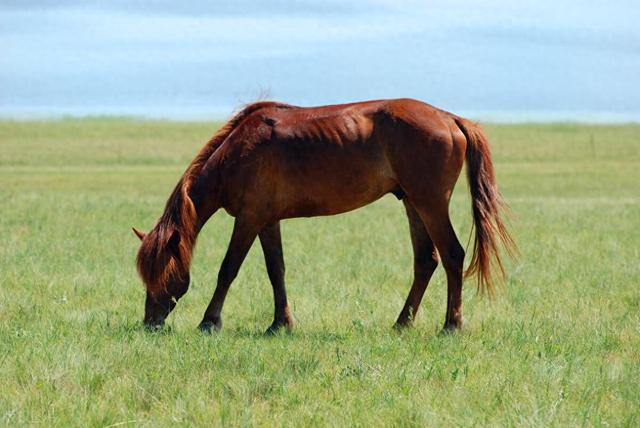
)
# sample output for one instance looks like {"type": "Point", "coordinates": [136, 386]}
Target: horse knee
{"type": "Point", "coordinates": [227, 274]}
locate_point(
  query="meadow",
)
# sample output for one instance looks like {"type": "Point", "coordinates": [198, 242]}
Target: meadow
{"type": "Point", "coordinates": [558, 346]}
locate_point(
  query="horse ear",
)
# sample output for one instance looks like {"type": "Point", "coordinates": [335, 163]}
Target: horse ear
{"type": "Point", "coordinates": [140, 234]}
{"type": "Point", "coordinates": [174, 242]}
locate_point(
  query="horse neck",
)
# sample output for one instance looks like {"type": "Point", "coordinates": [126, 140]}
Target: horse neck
{"type": "Point", "coordinates": [206, 200]}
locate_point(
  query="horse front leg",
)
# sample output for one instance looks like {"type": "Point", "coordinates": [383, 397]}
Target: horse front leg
{"type": "Point", "coordinates": [271, 242]}
{"type": "Point", "coordinates": [244, 233]}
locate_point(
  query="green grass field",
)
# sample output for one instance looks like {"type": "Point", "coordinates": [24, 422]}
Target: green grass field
{"type": "Point", "coordinates": [560, 346]}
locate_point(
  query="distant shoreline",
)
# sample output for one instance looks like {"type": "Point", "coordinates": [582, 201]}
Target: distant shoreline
{"type": "Point", "coordinates": [222, 113]}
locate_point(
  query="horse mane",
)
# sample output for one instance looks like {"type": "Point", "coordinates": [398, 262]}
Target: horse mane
{"type": "Point", "coordinates": [160, 257]}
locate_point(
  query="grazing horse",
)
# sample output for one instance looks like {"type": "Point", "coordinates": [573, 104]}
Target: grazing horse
{"type": "Point", "coordinates": [275, 161]}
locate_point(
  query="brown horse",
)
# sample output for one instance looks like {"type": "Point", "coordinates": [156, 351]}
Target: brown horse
{"type": "Point", "coordinates": [274, 161]}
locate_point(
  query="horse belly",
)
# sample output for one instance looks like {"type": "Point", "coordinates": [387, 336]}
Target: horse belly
{"type": "Point", "coordinates": [334, 186]}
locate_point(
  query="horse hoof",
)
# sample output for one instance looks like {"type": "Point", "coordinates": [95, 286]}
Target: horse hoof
{"type": "Point", "coordinates": [153, 327]}
{"type": "Point", "coordinates": [275, 329]}
{"type": "Point", "coordinates": [271, 331]}
{"type": "Point", "coordinates": [402, 326]}
{"type": "Point", "coordinates": [450, 329]}
{"type": "Point", "coordinates": [209, 326]}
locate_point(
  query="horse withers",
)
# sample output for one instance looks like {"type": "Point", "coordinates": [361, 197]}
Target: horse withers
{"type": "Point", "coordinates": [275, 161]}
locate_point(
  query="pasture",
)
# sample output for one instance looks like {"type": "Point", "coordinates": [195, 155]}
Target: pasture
{"type": "Point", "coordinates": [558, 346]}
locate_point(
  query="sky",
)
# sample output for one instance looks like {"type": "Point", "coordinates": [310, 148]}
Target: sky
{"type": "Point", "coordinates": [494, 60]}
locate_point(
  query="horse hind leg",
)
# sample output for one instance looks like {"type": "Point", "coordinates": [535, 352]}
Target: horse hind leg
{"type": "Point", "coordinates": [427, 170]}
{"type": "Point", "coordinates": [425, 261]}
{"type": "Point", "coordinates": [438, 225]}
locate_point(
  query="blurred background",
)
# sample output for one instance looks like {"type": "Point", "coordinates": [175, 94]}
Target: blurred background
{"type": "Point", "coordinates": [493, 60]}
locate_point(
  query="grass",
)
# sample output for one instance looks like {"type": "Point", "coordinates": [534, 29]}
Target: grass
{"type": "Point", "coordinates": [559, 346]}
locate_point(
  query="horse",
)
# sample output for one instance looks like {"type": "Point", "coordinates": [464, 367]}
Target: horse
{"type": "Point", "coordinates": [274, 161]}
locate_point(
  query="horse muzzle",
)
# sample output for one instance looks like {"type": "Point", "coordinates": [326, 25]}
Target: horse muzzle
{"type": "Point", "coordinates": [156, 311]}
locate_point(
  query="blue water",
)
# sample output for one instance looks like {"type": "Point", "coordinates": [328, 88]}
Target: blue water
{"type": "Point", "coordinates": [493, 60]}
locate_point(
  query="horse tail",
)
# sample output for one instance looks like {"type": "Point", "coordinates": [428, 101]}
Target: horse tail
{"type": "Point", "coordinates": [488, 206]}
